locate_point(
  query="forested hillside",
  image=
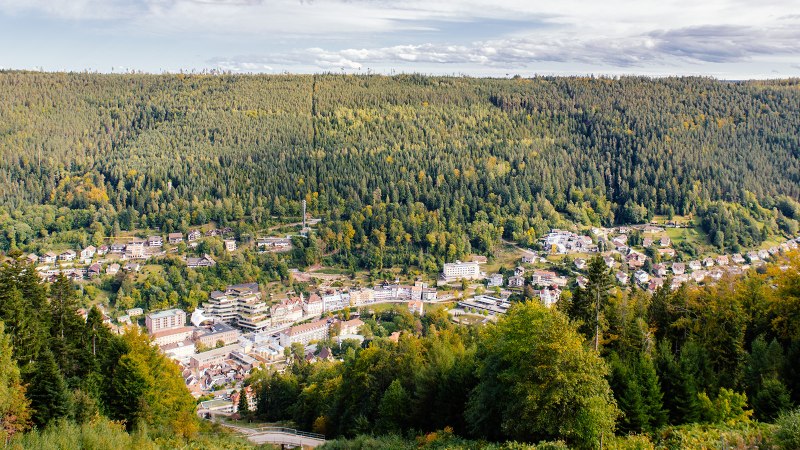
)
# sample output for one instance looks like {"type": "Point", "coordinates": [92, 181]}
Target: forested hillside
{"type": "Point", "coordinates": [395, 164]}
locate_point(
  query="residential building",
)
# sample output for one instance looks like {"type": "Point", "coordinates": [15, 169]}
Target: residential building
{"type": "Point", "coordinates": [352, 326]}
{"type": "Point", "coordinates": [620, 240]}
{"type": "Point", "coordinates": [211, 335]}
{"type": "Point", "coordinates": [48, 258]}
{"type": "Point", "coordinates": [458, 270]}
{"type": "Point", "coordinates": [547, 278]}
{"type": "Point", "coordinates": [175, 238]}
{"type": "Point", "coordinates": [67, 256]}
{"type": "Point", "coordinates": [659, 270]}
{"type": "Point", "coordinates": [165, 320]}
{"type": "Point", "coordinates": [314, 305]}
{"type": "Point", "coordinates": [335, 300]}
{"type": "Point", "coordinates": [135, 249]}
{"type": "Point", "coordinates": [230, 245]}
{"type": "Point", "coordinates": [495, 280]}
{"type": "Point", "coordinates": [416, 306]}
{"type": "Point", "coordinates": [112, 269]}
{"type": "Point", "coordinates": [549, 296]}
{"type": "Point", "coordinates": [610, 261]}
{"type": "Point", "coordinates": [622, 277]}
{"type": "Point", "coordinates": [561, 242]}
{"type": "Point", "coordinates": [116, 248]}
{"type": "Point", "coordinates": [635, 259]}
{"type": "Point", "coordinates": [580, 263]}
{"type": "Point", "coordinates": [240, 305]}
{"type": "Point", "coordinates": [287, 311]}
{"type": "Point", "coordinates": [699, 275]}
{"type": "Point", "coordinates": [654, 284]}
{"type": "Point", "coordinates": [155, 241]}
{"type": "Point", "coordinates": [678, 268]}
{"type": "Point", "coordinates": [303, 334]}
{"type": "Point", "coordinates": [205, 261]}
{"type": "Point", "coordinates": [667, 252]}
{"type": "Point", "coordinates": [516, 281]}
{"type": "Point", "coordinates": [738, 258]}
{"type": "Point", "coordinates": [94, 270]}
{"type": "Point", "coordinates": [212, 357]}
{"type": "Point", "coordinates": [641, 276]}
{"type": "Point", "coordinates": [695, 265]}
{"type": "Point", "coordinates": [88, 252]}
{"type": "Point", "coordinates": [193, 235]}
{"type": "Point", "coordinates": [665, 241]}
{"type": "Point", "coordinates": [171, 335]}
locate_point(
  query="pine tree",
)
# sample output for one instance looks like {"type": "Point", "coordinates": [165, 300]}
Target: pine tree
{"type": "Point", "coordinates": [681, 401]}
{"type": "Point", "coordinates": [244, 404]}
{"type": "Point", "coordinates": [393, 408]}
{"type": "Point", "coordinates": [588, 304]}
{"type": "Point", "coordinates": [653, 396]}
{"type": "Point", "coordinates": [66, 328]}
{"type": "Point", "coordinates": [48, 391]}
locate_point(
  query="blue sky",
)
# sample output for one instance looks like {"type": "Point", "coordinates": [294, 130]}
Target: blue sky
{"type": "Point", "coordinates": [729, 39]}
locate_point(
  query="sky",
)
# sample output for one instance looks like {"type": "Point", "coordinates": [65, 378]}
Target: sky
{"type": "Point", "coordinates": [725, 39]}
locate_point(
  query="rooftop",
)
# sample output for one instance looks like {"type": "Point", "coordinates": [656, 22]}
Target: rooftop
{"type": "Point", "coordinates": [166, 313]}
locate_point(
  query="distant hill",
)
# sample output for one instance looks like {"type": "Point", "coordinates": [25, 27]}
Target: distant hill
{"type": "Point", "coordinates": [528, 154]}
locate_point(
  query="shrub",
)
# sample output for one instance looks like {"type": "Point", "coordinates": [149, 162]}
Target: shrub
{"type": "Point", "coordinates": [787, 433]}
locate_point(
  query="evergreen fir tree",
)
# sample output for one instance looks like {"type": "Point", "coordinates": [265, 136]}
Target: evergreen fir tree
{"type": "Point", "coordinates": [48, 391]}
{"type": "Point", "coordinates": [244, 405]}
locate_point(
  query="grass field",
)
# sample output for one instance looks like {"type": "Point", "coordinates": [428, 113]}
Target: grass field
{"type": "Point", "coordinates": [149, 269]}
{"type": "Point", "coordinates": [506, 256]}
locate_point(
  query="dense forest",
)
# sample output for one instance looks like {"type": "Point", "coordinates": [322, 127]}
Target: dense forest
{"type": "Point", "coordinates": [405, 169]}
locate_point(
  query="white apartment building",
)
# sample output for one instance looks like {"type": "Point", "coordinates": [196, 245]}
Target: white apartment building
{"type": "Point", "coordinates": [165, 320]}
{"type": "Point", "coordinates": [314, 306]}
{"type": "Point", "coordinates": [458, 270]}
{"type": "Point", "coordinates": [305, 333]}
{"type": "Point", "coordinates": [239, 305]}
{"type": "Point", "coordinates": [171, 335]}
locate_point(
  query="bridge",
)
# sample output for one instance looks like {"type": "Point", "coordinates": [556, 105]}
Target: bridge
{"type": "Point", "coordinates": [285, 437]}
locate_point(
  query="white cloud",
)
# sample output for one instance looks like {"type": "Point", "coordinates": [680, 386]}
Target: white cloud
{"type": "Point", "coordinates": [708, 44]}
{"type": "Point", "coordinates": [354, 34]}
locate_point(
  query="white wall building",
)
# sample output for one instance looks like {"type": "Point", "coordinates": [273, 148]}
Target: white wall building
{"type": "Point", "coordinates": [165, 320]}
{"type": "Point", "coordinates": [458, 270]}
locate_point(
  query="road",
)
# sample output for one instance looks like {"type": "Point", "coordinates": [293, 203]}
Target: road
{"type": "Point", "coordinates": [279, 436]}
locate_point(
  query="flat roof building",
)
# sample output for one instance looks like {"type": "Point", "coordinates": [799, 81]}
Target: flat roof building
{"type": "Point", "coordinates": [164, 320]}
